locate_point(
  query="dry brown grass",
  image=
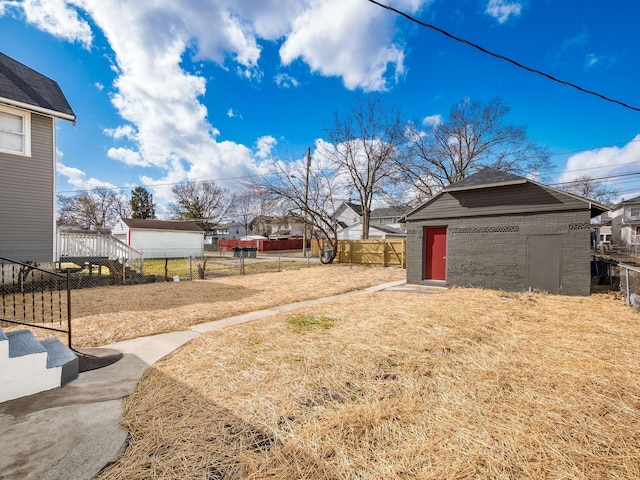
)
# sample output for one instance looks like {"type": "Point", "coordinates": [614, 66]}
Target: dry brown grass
{"type": "Point", "coordinates": [111, 314]}
{"type": "Point", "coordinates": [463, 384]}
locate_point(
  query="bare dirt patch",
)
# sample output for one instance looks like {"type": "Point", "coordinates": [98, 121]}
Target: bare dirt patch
{"type": "Point", "coordinates": [110, 314]}
{"type": "Point", "coordinates": [463, 384]}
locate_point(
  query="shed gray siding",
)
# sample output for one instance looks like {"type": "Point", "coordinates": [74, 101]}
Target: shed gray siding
{"type": "Point", "coordinates": [27, 197]}
{"type": "Point", "coordinates": [491, 251]}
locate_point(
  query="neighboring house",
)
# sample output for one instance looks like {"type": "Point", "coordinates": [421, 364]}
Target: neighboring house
{"type": "Point", "coordinates": [348, 214]}
{"type": "Point", "coordinates": [287, 226]}
{"type": "Point", "coordinates": [161, 238]}
{"type": "Point", "coordinates": [227, 231]}
{"type": "Point", "coordinates": [376, 232]}
{"type": "Point", "coordinates": [625, 222]}
{"type": "Point", "coordinates": [261, 225]}
{"type": "Point", "coordinates": [29, 105]}
{"type": "Point", "coordinates": [389, 216]}
{"type": "Point", "coordinates": [501, 231]}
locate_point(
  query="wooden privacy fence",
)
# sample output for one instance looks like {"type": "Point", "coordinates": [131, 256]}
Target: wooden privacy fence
{"type": "Point", "coordinates": [388, 253]}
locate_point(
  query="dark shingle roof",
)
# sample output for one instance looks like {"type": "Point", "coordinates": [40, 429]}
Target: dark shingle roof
{"type": "Point", "coordinates": [355, 207]}
{"type": "Point", "coordinates": [21, 84]}
{"type": "Point", "coordinates": [486, 176]}
{"type": "Point", "coordinates": [388, 229]}
{"type": "Point", "coordinates": [388, 212]}
{"type": "Point", "coordinates": [161, 225]}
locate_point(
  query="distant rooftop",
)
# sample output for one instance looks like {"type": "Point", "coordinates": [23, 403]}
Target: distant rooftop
{"type": "Point", "coordinates": [161, 224]}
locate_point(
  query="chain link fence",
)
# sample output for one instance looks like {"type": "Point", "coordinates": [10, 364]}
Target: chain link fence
{"type": "Point", "coordinates": [620, 277]}
{"type": "Point", "coordinates": [223, 264]}
{"type": "Point", "coordinates": [99, 271]}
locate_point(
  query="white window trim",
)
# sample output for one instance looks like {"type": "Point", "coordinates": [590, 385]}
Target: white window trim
{"type": "Point", "coordinates": [26, 125]}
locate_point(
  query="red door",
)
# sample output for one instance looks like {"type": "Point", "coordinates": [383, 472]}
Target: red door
{"type": "Point", "coordinates": [435, 253]}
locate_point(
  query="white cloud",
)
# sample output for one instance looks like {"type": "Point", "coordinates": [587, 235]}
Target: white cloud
{"type": "Point", "coordinates": [232, 114]}
{"type": "Point", "coordinates": [123, 131]}
{"type": "Point", "coordinates": [286, 81]}
{"type": "Point", "coordinates": [264, 146]}
{"type": "Point", "coordinates": [502, 10]}
{"type": "Point", "coordinates": [432, 120]}
{"type": "Point", "coordinates": [348, 39]}
{"type": "Point", "coordinates": [78, 178]}
{"type": "Point", "coordinates": [602, 162]}
{"type": "Point", "coordinates": [57, 18]}
{"type": "Point", "coordinates": [603, 61]}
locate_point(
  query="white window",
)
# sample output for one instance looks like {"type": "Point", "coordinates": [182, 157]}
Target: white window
{"type": "Point", "coordinates": [15, 131]}
{"type": "Point", "coordinates": [634, 212]}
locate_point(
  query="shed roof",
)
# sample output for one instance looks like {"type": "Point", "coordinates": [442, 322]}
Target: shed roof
{"type": "Point", "coordinates": [485, 178]}
{"type": "Point", "coordinates": [23, 87]}
{"type": "Point", "coordinates": [140, 223]}
{"type": "Point", "coordinates": [506, 193]}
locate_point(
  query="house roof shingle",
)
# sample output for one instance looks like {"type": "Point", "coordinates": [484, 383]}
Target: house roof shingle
{"type": "Point", "coordinates": [486, 176]}
{"type": "Point", "coordinates": [355, 207]}
{"type": "Point", "coordinates": [24, 87]}
{"type": "Point", "coordinates": [388, 212]}
{"type": "Point", "coordinates": [161, 225]}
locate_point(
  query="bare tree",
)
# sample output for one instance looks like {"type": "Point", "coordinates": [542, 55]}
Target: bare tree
{"type": "Point", "coordinates": [314, 198]}
{"type": "Point", "coordinates": [250, 205]}
{"type": "Point", "coordinates": [97, 209]}
{"type": "Point", "coordinates": [204, 203]}
{"type": "Point", "coordinates": [472, 137]}
{"type": "Point", "coordinates": [590, 188]}
{"type": "Point", "coordinates": [364, 145]}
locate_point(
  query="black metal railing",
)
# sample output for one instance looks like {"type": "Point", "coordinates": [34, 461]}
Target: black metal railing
{"type": "Point", "coordinates": [35, 297]}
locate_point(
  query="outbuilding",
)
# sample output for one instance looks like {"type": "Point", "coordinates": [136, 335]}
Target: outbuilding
{"type": "Point", "coordinates": [161, 238]}
{"type": "Point", "coordinates": [502, 231]}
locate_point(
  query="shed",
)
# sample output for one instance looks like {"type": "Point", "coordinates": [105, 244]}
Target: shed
{"type": "Point", "coordinates": [161, 238]}
{"type": "Point", "coordinates": [502, 231]}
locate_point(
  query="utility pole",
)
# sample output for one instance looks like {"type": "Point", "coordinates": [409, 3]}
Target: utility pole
{"type": "Point", "coordinates": [306, 205]}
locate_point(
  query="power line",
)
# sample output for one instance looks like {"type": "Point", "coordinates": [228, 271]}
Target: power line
{"type": "Point", "coordinates": [607, 177]}
{"type": "Point", "coordinates": [502, 57]}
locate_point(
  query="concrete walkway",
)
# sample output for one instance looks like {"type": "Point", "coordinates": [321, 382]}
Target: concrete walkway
{"type": "Point", "coordinates": [72, 432]}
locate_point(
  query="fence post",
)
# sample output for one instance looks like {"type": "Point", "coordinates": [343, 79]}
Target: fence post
{"type": "Point", "coordinates": [68, 308]}
{"type": "Point", "coordinates": [626, 277]}
{"type": "Point", "coordinates": [384, 252]}
{"type": "Point", "coordinates": [190, 267]}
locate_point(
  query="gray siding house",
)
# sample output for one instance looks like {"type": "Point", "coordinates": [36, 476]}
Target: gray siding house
{"type": "Point", "coordinates": [29, 105]}
{"type": "Point", "coordinates": [501, 231]}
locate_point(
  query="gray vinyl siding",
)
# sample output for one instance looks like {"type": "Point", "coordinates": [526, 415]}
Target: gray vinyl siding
{"type": "Point", "coordinates": [523, 198]}
{"type": "Point", "coordinates": [27, 197]}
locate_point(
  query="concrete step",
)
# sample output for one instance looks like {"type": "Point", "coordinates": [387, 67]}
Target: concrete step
{"type": "Point", "coordinates": [22, 342]}
{"type": "Point", "coordinates": [58, 355]}
{"type": "Point", "coordinates": [4, 346]}
{"type": "Point", "coordinates": [30, 366]}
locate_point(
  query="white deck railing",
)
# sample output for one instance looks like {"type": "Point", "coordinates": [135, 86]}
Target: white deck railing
{"type": "Point", "coordinates": [97, 244]}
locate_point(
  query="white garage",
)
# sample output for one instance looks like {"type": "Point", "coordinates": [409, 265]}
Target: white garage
{"type": "Point", "coordinates": [161, 238]}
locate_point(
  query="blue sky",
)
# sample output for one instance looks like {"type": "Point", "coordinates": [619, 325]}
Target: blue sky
{"type": "Point", "coordinates": [208, 89]}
